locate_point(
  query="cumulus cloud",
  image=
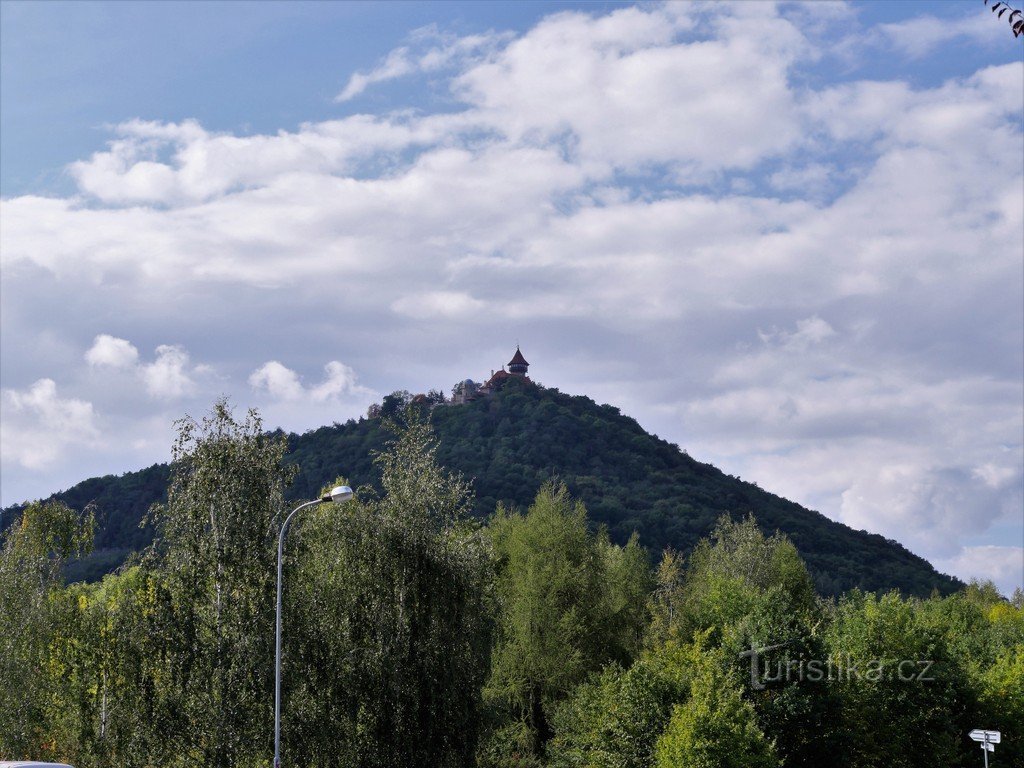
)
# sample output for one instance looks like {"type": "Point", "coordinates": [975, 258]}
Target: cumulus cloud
{"type": "Point", "coordinates": [282, 383]}
{"type": "Point", "coordinates": [168, 377]}
{"type": "Point", "coordinates": [813, 281]}
{"type": "Point", "coordinates": [112, 352]}
{"type": "Point", "coordinates": [909, 458]}
{"type": "Point", "coordinates": [39, 424]}
{"type": "Point", "coordinates": [627, 94]}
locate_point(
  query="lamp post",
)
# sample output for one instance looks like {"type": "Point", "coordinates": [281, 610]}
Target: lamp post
{"type": "Point", "coordinates": [338, 495]}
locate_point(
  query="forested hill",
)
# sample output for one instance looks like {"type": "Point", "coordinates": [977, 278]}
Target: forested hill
{"type": "Point", "coordinates": [514, 440]}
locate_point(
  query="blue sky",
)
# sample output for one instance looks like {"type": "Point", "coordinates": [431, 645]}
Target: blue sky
{"type": "Point", "coordinates": [785, 236]}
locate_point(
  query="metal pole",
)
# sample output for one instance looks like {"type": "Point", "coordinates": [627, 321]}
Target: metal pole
{"type": "Point", "coordinates": [984, 748]}
{"type": "Point", "coordinates": [276, 664]}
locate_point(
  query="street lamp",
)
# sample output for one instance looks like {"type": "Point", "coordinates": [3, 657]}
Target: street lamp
{"type": "Point", "coordinates": [338, 495]}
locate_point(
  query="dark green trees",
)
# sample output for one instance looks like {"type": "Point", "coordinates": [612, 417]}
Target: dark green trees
{"type": "Point", "coordinates": [750, 591]}
{"type": "Point", "coordinates": [687, 700]}
{"type": "Point", "coordinates": [568, 602]}
{"type": "Point", "coordinates": [615, 718]}
{"type": "Point", "coordinates": [216, 557]}
{"type": "Point", "coordinates": [33, 552]}
{"type": "Point", "coordinates": [514, 440]}
{"type": "Point", "coordinates": [902, 691]}
{"type": "Point", "coordinates": [716, 726]}
{"type": "Point", "coordinates": [388, 631]}
{"type": "Point", "coordinates": [414, 636]}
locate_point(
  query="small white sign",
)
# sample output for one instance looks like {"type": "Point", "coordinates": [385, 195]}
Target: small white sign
{"type": "Point", "coordinates": [989, 746]}
{"type": "Point", "coordinates": [989, 737]}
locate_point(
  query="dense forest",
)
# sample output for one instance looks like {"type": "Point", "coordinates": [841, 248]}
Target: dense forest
{"type": "Point", "coordinates": [417, 634]}
{"type": "Point", "coordinates": [512, 442]}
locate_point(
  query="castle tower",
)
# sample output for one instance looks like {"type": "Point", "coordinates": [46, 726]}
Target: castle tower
{"type": "Point", "coordinates": [517, 366]}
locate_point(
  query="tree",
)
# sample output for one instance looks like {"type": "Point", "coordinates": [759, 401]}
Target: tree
{"type": "Point", "coordinates": [111, 652]}
{"type": "Point", "coordinates": [749, 591]}
{"type": "Point", "coordinates": [1015, 19]}
{"type": "Point", "coordinates": [1001, 694]}
{"type": "Point", "coordinates": [715, 727]}
{"type": "Point", "coordinates": [216, 550]}
{"type": "Point", "coordinates": [899, 684]}
{"type": "Point", "coordinates": [394, 404]}
{"type": "Point", "coordinates": [34, 550]}
{"type": "Point", "coordinates": [984, 636]}
{"type": "Point", "coordinates": [389, 610]}
{"type": "Point", "coordinates": [569, 602]}
{"type": "Point", "coordinates": [736, 573]}
{"type": "Point", "coordinates": [614, 719]}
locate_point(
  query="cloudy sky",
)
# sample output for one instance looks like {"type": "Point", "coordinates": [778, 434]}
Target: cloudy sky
{"type": "Point", "coordinates": [787, 237]}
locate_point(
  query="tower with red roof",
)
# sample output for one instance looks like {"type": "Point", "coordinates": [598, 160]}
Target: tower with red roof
{"type": "Point", "coordinates": [518, 366]}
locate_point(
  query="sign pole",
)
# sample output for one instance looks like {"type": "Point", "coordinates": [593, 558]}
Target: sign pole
{"type": "Point", "coordinates": [984, 748]}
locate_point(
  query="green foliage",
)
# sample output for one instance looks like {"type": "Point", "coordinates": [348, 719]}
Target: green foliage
{"type": "Point", "coordinates": [715, 727]}
{"type": "Point", "coordinates": [111, 651]}
{"type": "Point", "coordinates": [395, 601]}
{"type": "Point", "coordinates": [1001, 694]}
{"type": "Point", "coordinates": [413, 636]}
{"type": "Point", "coordinates": [569, 601]}
{"type": "Point", "coordinates": [216, 552]}
{"type": "Point", "coordinates": [614, 720]}
{"type": "Point", "coordinates": [984, 635]}
{"type": "Point", "coordinates": [735, 579]}
{"type": "Point", "coordinates": [388, 630]}
{"type": "Point", "coordinates": [513, 441]}
{"type": "Point", "coordinates": [903, 692]}
{"type": "Point", "coordinates": [33, 552]}
{"type": "Point", "coordinates": [746, 590]}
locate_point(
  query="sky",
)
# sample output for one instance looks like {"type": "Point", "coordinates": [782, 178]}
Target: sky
{"type": "Point", "coordinates": [788, 237]}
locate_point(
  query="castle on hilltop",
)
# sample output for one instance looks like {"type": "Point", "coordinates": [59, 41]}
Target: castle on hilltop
{"type": "Point", "coordinates": [468, 390]}
{"type": "Point", "coordinates": [464, 392]}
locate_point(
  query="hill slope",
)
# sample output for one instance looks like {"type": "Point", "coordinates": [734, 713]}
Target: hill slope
{"type": "Point", "coordinates": [513, 441]}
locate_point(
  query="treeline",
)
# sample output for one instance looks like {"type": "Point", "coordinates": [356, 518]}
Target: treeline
{"type": "Point", "coordinates": [417, 635]}
{"type": "Point", "coordinates": [513, 441]}
{"type": "Point", "coordinates": [522, 435]}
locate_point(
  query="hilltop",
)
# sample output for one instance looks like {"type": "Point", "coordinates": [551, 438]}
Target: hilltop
{"type": "Point", "coordinates": [519, 435]}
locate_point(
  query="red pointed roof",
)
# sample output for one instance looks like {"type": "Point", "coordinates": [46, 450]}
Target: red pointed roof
{"type": "Point", "coordinates": [518, 358]}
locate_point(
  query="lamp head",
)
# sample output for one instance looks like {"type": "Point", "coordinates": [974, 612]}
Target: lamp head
{"type": "Point", "coordinates": [340, 494]}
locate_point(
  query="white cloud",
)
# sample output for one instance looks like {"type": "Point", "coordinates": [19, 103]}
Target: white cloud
{"type": "Point", "coordinates": [927, 506]}
{"type": "Point", "coordinates": [812, 180]}
{"type": "Point", "coordinates": [168, 377]}
{"type": "Point", "coordinates": [339, 380]}
{"type": "Point", "coordinates": [439, 304]}
{"type": "Point", "coordinates": [112, 352]}
{"type": "Point", "coordinates": [812, 280]}
{"type": "Point", "coordinates": [1000, 564]}
{"type": "Point", "coordinates": [921, 35]}
{"type": "Point", "coordinates": [39, 425]}
{"type": "Point", "coordinates": [627, 95]}
{"type": "Point", "coordinates": [820, 415]}
{"type": "Point", "coordinates": [397, 64]}
{"type": "Point", "coordinates": [282, 383]}
{"type": "Point", "coordinates": [809, 331]}
{"type": "Point", "coordinates": [430, 51]}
